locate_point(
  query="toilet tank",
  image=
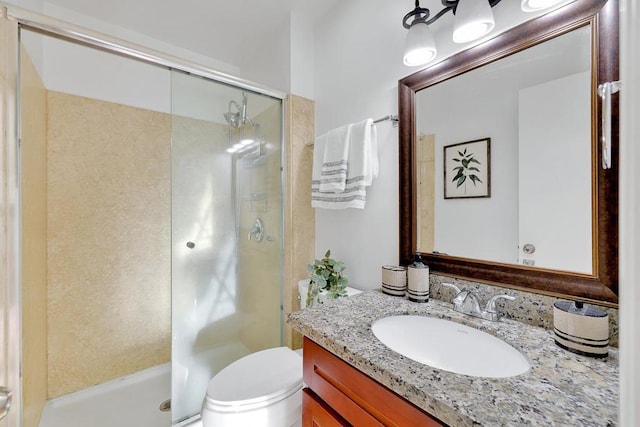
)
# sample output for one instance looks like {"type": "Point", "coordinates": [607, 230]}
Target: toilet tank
{"type": "Point", "coordinates": [303, 286]}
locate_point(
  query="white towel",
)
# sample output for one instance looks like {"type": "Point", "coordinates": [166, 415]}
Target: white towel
{"type": "Point", "coordinates": [363, 154]}
{"type": "Point", "coordinates": [354, 197]}
{"type": "Point", "coordinates": [362, 169]}
{"type": "Point", "coordinates": [335, 160]}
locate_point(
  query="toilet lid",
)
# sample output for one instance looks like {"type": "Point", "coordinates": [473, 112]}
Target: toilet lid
{"type": "Point", "coordinates": [256, 380]}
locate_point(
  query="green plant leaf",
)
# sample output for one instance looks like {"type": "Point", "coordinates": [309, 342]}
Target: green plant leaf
{"type": "Point", "coordinates": [327, 254]}
{"type": "Point", "coordinates": [461, 181]}
{"type": "Point", "coordinates": [475, 161]}
{"type": "Point", "coordinates": [474, 179]}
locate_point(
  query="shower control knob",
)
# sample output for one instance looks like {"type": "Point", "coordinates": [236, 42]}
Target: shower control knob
{"type": "Point", "coordinates": [191, 245]}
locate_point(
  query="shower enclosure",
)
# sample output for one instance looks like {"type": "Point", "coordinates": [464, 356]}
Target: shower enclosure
{"type": "Point", "coordinates": [143, 250]}
{"type": "Point", "coordinates": [226, 270]}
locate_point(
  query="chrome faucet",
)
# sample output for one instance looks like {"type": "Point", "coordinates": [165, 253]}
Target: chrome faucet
{"type": "Point", "coordinates": [466, 302]}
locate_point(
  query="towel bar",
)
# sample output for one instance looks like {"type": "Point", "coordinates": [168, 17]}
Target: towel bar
{"type": "Point", "coordinates": [389, 117]}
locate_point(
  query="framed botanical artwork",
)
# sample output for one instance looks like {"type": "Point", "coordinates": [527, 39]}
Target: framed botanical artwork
{"type": "Point", "coordinates": [467, 169]}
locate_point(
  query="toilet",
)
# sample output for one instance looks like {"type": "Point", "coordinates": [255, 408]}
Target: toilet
{"type": "Point", "coordinates": [263, 389]}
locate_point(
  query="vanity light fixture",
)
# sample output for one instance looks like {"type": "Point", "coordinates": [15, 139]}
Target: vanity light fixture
{"type": "Point", "coordinates": [472, 20]}
{"type": "Point", "coordinates": [534, 5]}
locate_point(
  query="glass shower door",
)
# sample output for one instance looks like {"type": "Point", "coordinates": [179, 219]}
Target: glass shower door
{"type": "Point", "coordinates": [10, 387]}
{"type": "Point", "coordinates": [226, 231]}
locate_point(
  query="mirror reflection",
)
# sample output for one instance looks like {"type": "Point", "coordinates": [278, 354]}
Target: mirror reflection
{"type": "Point", "coordinates": [535, 109]}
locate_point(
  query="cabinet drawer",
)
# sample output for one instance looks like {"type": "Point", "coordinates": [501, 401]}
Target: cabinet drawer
{"type": "Point", "coordinates": [359, 399]}
{"type": "Point", "coordinates": [316, 413]}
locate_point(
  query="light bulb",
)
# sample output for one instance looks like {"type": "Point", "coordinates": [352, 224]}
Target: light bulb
{"type": "Point", "coordinates": [473, 19]}
{"type": "Point", "coordinates": [533, 5]}
{"type": "Point", "coordinates": [420, 46]}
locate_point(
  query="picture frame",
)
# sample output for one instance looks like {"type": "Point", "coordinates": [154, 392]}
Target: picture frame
{"type": "Point", "coordinates": [467, 169]}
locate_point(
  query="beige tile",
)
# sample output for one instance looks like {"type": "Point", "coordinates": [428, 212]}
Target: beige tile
{"type": "Point", "coordinates": [299, 215]}
{"type": "Point", "coordinates": [108, 241]}
{"type": "Point", "coordinates": [425, 156]}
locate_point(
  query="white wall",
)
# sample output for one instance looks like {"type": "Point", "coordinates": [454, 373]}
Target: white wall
{"type": "Point", "coordinates": [269, 65]}
{"type": "Point", "coordinates": [358, 57]}
{"type": "Point", "coordinates": [286, 60]}
{"type": "Point", "coordinates": [358, 63]}
{"type": "Point", "coordinates": [470, 107]}
{"type": "Point", "coordinates": [71, 68]}
{"type": "Point", "coordinates": [302, 55]}
{"type": "Point", "coordinates": [629, 218]}
{"type": "Point", "coordinates": [83, 71]}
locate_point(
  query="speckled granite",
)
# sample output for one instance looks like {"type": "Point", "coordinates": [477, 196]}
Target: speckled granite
{"type": "Point", "coordinates": [561, 388]}
{"type": "Point", "coordinates": [534, 309]}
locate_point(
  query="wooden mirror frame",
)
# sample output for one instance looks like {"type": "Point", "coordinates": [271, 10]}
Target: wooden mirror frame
{"type": "Point", "coordinates": [601, 286]}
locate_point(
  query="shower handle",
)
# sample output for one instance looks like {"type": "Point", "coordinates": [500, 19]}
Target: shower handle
{"type": "Point", "coordinates": [257, 231]}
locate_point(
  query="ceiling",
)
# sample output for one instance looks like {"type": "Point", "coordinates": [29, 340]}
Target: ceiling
{"type": "Point", "coordinates": [224, 30]}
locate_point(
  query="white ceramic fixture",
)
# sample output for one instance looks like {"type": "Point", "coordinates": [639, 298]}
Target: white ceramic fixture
{"type": "Point", "coordinates": [303, 287]}
{"type": "Point", "coordinates": [261, 389]}
{"type": "Point", "coordinates": [450, 346]}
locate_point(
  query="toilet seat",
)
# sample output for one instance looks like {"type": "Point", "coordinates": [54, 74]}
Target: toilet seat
{"type": "Point", "coordinates": [255, 381]}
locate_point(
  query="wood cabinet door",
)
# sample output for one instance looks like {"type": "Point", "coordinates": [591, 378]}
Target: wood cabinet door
{"type": "Point", "coordinates": [316, 413]}
{"type": "Point", "coordinates": [358, 398]}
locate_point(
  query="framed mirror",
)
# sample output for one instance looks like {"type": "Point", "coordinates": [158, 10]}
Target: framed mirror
{"type": "Point", "coordinates": [500, 162]}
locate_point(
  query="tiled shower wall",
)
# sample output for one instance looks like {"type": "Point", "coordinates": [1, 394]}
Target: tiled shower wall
{"type": "Point", "coordinates": [109, 222]}
{"type": "Point", "coordinates": [300, 224]}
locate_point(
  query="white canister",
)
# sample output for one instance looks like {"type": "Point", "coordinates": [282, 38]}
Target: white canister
{"type": "Point", "coordinates": [418, 282]}
{"type": "Point", "coordinates": [394, 280]}
{"type": "Point", "coordinates": [581, 328]}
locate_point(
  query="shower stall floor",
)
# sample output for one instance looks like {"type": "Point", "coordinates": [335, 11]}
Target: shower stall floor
{"type": "Point", "coordinates": [130, 401]}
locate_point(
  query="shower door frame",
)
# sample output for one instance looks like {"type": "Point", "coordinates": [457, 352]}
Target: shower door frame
{"type": "Point", "coordinates": [12, 20]}
{"type": "Point", "coordinates": [10, 304]}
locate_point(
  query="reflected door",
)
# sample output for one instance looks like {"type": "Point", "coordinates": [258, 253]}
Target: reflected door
{"type": "Point", "coordinates": [555, 174]}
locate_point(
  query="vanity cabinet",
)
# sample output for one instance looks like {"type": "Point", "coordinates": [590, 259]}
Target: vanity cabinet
{"type": "Point", "coordinates": [340, 395]}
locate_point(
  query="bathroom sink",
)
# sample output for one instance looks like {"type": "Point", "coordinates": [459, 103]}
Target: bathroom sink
{"type": "Point", "coordinates": [450, 346]}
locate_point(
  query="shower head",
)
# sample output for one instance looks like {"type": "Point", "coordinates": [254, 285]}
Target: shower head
{"type": "Point", "coordinates": [239, 118]}
{"type": "Point", "coordinates": [232, 118]}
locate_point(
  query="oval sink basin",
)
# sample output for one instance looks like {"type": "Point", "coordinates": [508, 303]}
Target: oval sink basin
{"type": "Point", "coordinates": [450, 346]}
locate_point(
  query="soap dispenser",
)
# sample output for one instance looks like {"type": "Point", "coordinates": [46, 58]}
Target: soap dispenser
{"type": "Point", "coordinates": [418, 281]}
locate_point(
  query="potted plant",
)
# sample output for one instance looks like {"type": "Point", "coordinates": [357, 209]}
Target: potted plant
{"type": "Point", "coordinates": [326, 279]}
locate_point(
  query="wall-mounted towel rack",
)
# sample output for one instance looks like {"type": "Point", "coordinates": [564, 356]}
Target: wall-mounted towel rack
{"type": "Point", "coordinates": [390, 117]}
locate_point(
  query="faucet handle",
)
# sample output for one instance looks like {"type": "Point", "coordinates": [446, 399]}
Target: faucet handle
{"type": "Point", "coordinates": [460, 294]}
{"type": "Point", "coordinates": [449, 285]}
{"type": "Point", "coordinates": [491, 305]}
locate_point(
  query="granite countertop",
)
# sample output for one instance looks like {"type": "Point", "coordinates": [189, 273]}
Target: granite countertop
{"type": "Point", "coordinates": [561, 388]}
